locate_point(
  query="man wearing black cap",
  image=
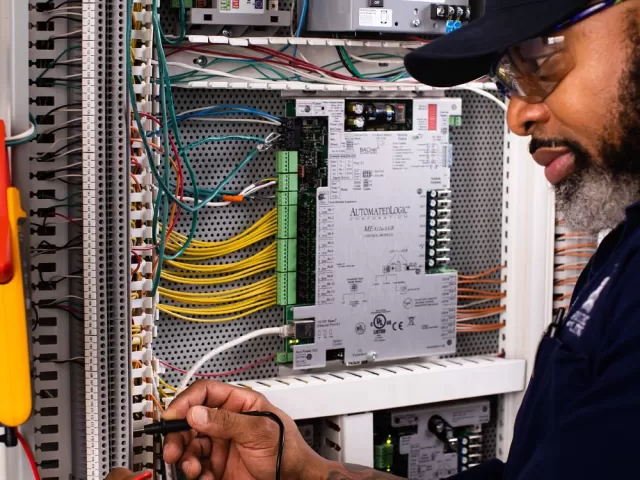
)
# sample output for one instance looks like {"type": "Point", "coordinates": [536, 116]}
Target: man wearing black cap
{"type": "Point", "coordinates": [572, 71]}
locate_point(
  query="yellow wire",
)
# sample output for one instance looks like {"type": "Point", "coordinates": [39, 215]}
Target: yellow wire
{"type": "Point", "coordinates": [166, 385]}
{"type": "Point", "coordinates": [217, 320]}
{"type": "Point", "coordinates": [172, 277]}
{"type": "Point", "coordinates": [251, 294]}
{"type": "Point", "coordinates": [270, 281]}
{"type": "Point", "coordinates": [267, 254]}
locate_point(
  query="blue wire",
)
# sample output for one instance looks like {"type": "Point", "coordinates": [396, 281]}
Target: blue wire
{"type": "Point", "coordinates": [303, 16]}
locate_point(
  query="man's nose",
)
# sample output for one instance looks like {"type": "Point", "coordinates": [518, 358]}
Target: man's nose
{"type": "Point", "coordinates": [522, 116]}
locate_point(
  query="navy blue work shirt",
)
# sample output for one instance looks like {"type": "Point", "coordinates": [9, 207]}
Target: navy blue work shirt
{"type": "Point", "coordinates": [580, 416]}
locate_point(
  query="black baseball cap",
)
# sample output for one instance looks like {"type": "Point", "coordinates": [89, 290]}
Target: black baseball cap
{"type": "Point", "coordinates": [468, 53]}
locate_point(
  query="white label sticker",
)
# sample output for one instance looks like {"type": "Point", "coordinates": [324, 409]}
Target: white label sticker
{"type": "Point", "coordinates": [375, 17]}
{"type": "Point", "coordinates": [405, 444]}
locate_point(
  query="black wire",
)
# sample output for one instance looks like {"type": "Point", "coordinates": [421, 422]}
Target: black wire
{"type": "Point", "coordinates": [75, 124]}
{"type": "Point", "coordinates": [272, 416]}
{"type": "Point", "coordinates": [58, 307]}
{"type": "Point", "coordinates": [53, 110]}
{"type": "Point", "coordinates": [34, 325]}
{"type": "Point", "coordinates": [71, 37]}
{"type": "Point", "coordinates": [345, 64]}
{"type": "Point", "coordinates": [64, 3]}
{"type": "Point", "coordinates": [68, 17]}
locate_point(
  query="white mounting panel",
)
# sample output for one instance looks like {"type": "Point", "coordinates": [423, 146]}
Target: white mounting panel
{"type": "Point", "coordinates": [377, 388]}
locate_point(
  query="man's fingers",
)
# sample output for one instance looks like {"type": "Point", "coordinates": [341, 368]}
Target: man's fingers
{"type": "Point", "coordinates": [218, 423]}
{"type": "Point", "coordinates": [175, 444]}
{"type": "Point", "coordinates": [121, 474]}
{"type": "Point", "coordinates": [195, 457]}
{"type": "Point", "coordinates": [215, 395]}
{"type": "Point", "coordinates": [219, 457]}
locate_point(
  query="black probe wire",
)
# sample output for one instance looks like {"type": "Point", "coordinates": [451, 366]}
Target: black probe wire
{"type": "Point", "coordinates": [272, 416]}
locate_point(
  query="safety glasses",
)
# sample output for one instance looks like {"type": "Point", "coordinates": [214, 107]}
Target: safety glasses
{"type": "Point", "coordinates": [532, 69]}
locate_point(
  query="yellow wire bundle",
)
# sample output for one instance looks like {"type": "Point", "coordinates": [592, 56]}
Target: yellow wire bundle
{"type": "Point", "coordinates": [224, 305]}
{"type": "Point", "coordinates": [201, 250]}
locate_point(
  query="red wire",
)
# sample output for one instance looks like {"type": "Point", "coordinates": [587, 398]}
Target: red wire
{"type": "Point", "coordinates": [29, 453]}
{"type": "Point", "coordinates": [144, 476]}
{"type": "Point", "coordinates": [70, 220]}
{"type": "Point", "coordinates": [223, 374]}
{"type": "Point", "coordinates": [290, 61]}
{"type": "Point", "coordinates": [139, 260]}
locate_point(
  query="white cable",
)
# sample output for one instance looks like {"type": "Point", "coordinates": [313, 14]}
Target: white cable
{"type": "Point", "coordinates": [250, 190]}
{"type": "Point", "coordinates": [223, 348]}
{"type": "Point", "coordinates": [67, 12]}
{"type": "Point", "coordinates": [65, 167]}
{"type": "Point", "coordinates": [369, 60]}
{"type": "Point", "coordinates": [62, 140]}
{"type": "Point", "coordinates": [75, 75]}
{"type": "Point", "coordinates": [242, 120]}
{"type": "Point", "coordinates": [23, 135]}
{"type": "Point", "coordinates": [69, 175]}
{"type": "Point", "coordinates": [485, 94]}
{"type": "Point", "coordinates": [68, 122]}
{"type": "Point", "coordinates": [68, 34]}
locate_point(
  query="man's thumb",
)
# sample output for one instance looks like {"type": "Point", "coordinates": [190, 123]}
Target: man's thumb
{"type": "Point", "coordinates": [222, 424]}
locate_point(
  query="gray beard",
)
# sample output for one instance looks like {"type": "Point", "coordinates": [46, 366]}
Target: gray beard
{"type": "Point", "coordinates": [593, 200]}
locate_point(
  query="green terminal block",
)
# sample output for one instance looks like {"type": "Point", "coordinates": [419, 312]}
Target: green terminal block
{"type": "Point", "coordinates": [455, 120]}
{"type": "Point", "coordinates": [286, 260]}
{"type": "Point", "coordinates": [286, 288]}
{"type": "Point", "coordinates": [287, 221]}
{"type": "Point", "coordinates": [287, 242]}
{"type": "Point", "coordinates": [187, 3]}
{"type": "Point", "coordinates": [287, 162]}
{"type": "Point", "coordinates": [383, 456]}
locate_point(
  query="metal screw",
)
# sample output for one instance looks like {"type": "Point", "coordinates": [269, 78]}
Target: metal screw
{"type": "Point", "coordinates": [373, 355]}
{"type": "Point", "coordinates": [440, 426]}
{"type": "Point", "coordinates": [419, 191]}
{"type": "Point", "coordinates": [416, 22]}
{"type": "Point", "coordinates": [226, 32]}
{"type": "Point", "coordinates": [201, 61]}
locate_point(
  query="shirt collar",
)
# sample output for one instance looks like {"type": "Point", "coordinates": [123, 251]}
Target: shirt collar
{"type": "Point", "coordinates": [633, 214]}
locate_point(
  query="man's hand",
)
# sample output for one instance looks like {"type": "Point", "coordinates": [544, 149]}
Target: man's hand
{"type": "Point", "coordinates": [121, 474]}
{"type": "Point", "coordinates": [224, 444]}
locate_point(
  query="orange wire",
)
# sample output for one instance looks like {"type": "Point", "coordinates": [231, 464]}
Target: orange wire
{"type": "Point", "coordinates": [482, 292]}
{"type": "Point", "coordinates": [482, 274]}
{"type": "Point", "coordinates": [561, 298]}
{"type": "Point", "coordinates": [475, 328]}
{"type": "Point", "coordinates": [576, 247]}
{"type": "Point", "coordinates": [576, 266]}
{"type": "Point", "coordinates": [485, 282]}
{"type": "Point", "coordinates": [575, 254]}
{"type": "Point", "coordinates": [482, 311]}
{"type": "Point", "coordinates": [566, 281]}
{"type": "Point", "coordinates": [155, 400]}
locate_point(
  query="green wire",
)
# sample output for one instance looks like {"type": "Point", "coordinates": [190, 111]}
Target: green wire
{"type": "Point", "coordinates": [347, 59]}
{"type": "Point", "coordinates": [55, 60]}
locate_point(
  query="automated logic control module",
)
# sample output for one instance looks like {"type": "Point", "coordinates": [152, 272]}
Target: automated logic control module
{"type": "Point", "coordinates": [430, 443]}
{"type": "Point", "coordinates": [364, 223]}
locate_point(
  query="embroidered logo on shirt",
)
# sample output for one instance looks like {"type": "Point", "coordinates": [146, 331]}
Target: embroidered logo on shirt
{"type": "Point", "coordinates": [579, 319]}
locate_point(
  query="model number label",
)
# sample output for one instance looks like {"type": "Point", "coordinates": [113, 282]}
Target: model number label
{"type": "Point", "coordinates": [375, 17]}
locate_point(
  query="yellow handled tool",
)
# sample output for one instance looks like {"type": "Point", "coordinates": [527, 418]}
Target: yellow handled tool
{"type": "Point", "coordinates": [15, 375]}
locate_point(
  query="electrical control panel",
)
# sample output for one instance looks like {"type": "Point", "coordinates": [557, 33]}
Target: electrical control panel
{"type": "Point", "coordinates": [430, 443]}
{"type": "Point", "coordinates": [234, 17]}
{"type": "Point", "coordinates": [363, 230]}
{"type": "Point", "coordinates": [384, 17]}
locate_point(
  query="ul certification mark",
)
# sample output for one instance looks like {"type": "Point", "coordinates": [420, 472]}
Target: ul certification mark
{"type": "Point", "coordinates": [379, 322]}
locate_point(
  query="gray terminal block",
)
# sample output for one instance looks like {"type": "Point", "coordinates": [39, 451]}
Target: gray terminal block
{"type": "Point", "coordinates": [386, 16]}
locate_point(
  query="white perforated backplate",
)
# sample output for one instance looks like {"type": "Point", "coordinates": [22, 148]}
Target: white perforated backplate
{"type": "Point", "coordinates": [476, 186]}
